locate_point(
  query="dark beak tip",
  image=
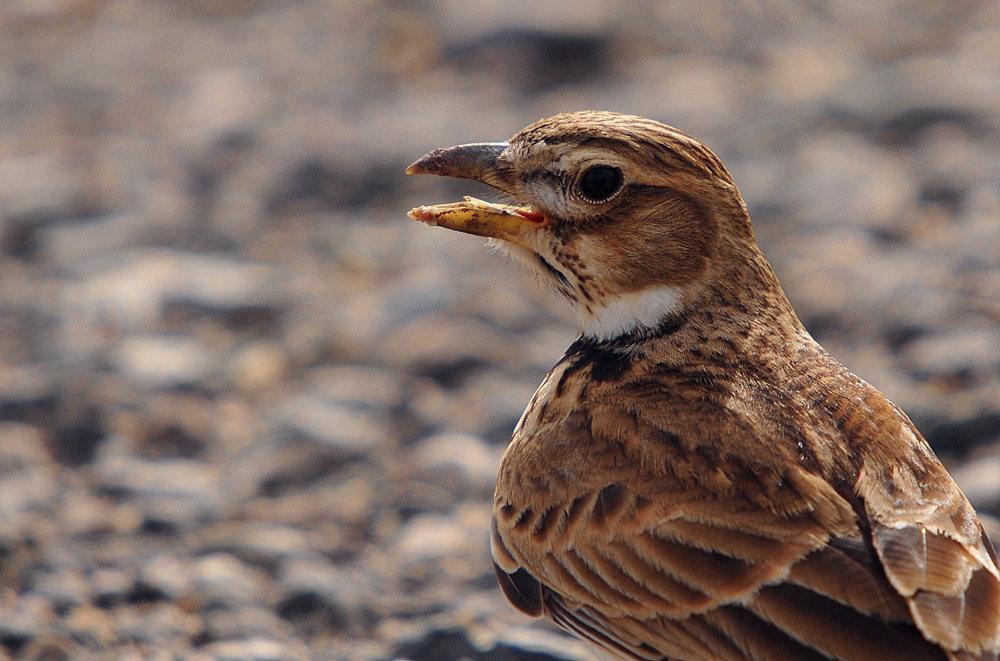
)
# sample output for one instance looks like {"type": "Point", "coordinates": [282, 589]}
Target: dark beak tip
{"type": "Point", "coordinates": [472, 161]}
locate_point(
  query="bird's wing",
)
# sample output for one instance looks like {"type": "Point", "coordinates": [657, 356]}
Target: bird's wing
{"type": "Point", "coordinates": [706, 580]}
{"type": "Point", "coordinates": [934, 552]}
{"type": "Point", "coordinates": [711, 570]}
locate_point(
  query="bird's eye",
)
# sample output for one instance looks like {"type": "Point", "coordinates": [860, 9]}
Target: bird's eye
{"type": "Point", "coordinates": [600, 183]}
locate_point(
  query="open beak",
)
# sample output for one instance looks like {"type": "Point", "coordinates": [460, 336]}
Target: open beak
{"type": "Point", "coordinates": [476, 161]}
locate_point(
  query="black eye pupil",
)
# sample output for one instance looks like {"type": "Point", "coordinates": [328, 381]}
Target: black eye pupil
{"type": "Point", "coordinates": [600, 182]}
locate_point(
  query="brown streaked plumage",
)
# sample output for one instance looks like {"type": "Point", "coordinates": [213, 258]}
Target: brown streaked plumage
{"type": "Point", "coordinates": [697, 479]}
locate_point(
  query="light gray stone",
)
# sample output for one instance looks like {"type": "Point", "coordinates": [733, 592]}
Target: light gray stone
{"type": "Point", "coordinates": [164, 361]}
{"type": "Point", "coordinates": [477, 461]}
{"type": "Point", "coordinates": [255, 649]}
{"type": "Point", "coordinates": [980, 481]}
{"type": "Point", "coordinates": [952, 352]}
{"type": "Point", "coordinates": [176, 491]}
{"type": "Point", "coordinates": [221, 580]}
{"type": "Point", "coordinates": [342, 426]}
{"type": "Point", "coordinates": [169, 574]}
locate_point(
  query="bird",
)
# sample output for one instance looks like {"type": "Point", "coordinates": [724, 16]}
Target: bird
{"type": "Point", "coordinates": [697, 479]}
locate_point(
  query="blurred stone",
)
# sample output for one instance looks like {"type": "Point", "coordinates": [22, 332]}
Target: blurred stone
{"type": "Point", "coordinates": [220, 102]}
{"type": "Point", "coordinates": [27, 618]}
{"type": "Point", "coordinates": [86, 237]}
{"type": "Point", "coordinates": [492, 403]}
{"type": "Point", "coordinates": [22, 384]}
{"type": "Point", "coordinates": [169, 575]}
{"type": "Point", "coordinates": [477, 461]}
{"type": "Point", "coordinates": [844, 180]}
{"type": "Point", "coordinates": [63, 587]}
{"type": "Point", "coordinates": [258, 543]}
{"type": "Point", "coordinates": [276, 468]}
{"type": "Point", "coordinates": [534, 644]}
{"type": "Point", "coordinates": [110, 584]}
{"type": "Point", "coordinates": [28, 492]}
{"type": "Point", "coordinates": [255, 649]}
{"type": "Point", "coordinates": [158, 623]}
{"type": "Point", "coordinates": [439, 645]}
{"type": "Point", "coordinates": [258, 365]}
{"type": "Point", "coordinates": [962, 435]}
{"type": "Point", "coordinates": [441, 348]}
{"type": "Point", "coordinates": [979, 230]}
{"type": "Point", "coordinates": [247, 622]}
{"type": "Point", "coordinates": [222, 581]}
{"type": "Point", "coordinates": [344, 427]}
{"type": "Point", "coordinates": [39, 184]}
{"type": "Point", "coordinates": [948, 353]}
{"type": "Point", "coordinates": [314, 585]}
{"type": "Point", "coordinates": [164, 361]}
{"type": "Point", "coordinates": [176, 491]}
{"type": "Point", "coordinates": [980, 481]}
{"type": "Point", "coordinates": [432, 536]}
{"type": "Point", "coordinates": [357, 385]}
{"type": "Point", "coordinates": [94, 626]}
{"type": "Point", "coordinates": [133, 288]}
{"type": "Point", "coordinates": [21, 446]}
{"type": "Point", "coordinates": [808, 72]}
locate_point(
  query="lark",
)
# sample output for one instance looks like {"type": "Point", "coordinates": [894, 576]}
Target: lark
{"type": "Point", "coordinates": [697, 479]}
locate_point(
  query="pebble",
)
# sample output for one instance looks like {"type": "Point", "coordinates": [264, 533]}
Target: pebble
{"type": "Point", "coordinates": [255, 649]}
{"type": "Point", "coordinates": [347, 428]}
{"type": "Point", "coordinates": [254, 621]}
{"type": "Point", "coordinates": [170, 576]}
{"type": "Point", "coordinates": [39, 184]}
{"type": "Point", "coordinates": [980, 480]}
{"type": "Point", "coordinates": [219, 102]}
{"type": "Point", "coordinates": [93, 626]}
{"type": "Point", "coordinates": [26, 618]}
{"type": "Point", "coordinates": [258, 543]}
{"type": "Point", "coordinates": [257, 366]}
{"type": "Point", "coordinates": [159, 623]}
{"type": "Point", "coordinates": [223, 581]}
{"type": "Point", "coordinates": [81, 238]}
{"type": "Point", "coordinates": [954, 352]}
{"type": "Point", "coordinates": [843, 179]}
{"type": "Point", "coordinates": [164, 361]}
{"type": "Point", "coordinates": [357, 385]}
{"type": "Point", "coordinates": [345, 594]}
{"type": "Point", "coordinates": [110, 584]}
{"type": "Point", "coordinates": [477, 461]}
{"type": "Point", "coordinates": [131, 288]}
{"type": "Point", "coordinates": [528, 642]}
{"type": "Point", "coordinates": [26, 384]}
{"type": "Point", "coordinates": [63, 587]}
{"type": "Point", "coordinates": [180, 492]}
{"type": "Point", "coordinates": [435, 536]}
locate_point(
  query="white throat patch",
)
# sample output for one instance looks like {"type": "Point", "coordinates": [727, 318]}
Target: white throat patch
{"type": "Point", "coordinates": [629, 312]}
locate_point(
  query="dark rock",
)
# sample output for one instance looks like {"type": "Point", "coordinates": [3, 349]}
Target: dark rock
{"type": "Point", "coordinates": [959, 436]}
{"type": "Point", "coordinates": [533, 61]}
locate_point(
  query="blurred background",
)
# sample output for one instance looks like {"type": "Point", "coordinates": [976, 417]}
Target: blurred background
{"type": "Point", "coordinates": [250, 410]}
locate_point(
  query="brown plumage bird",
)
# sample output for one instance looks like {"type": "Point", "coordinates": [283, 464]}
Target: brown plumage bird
{"type": "Point", "coordinates": [697, 479]}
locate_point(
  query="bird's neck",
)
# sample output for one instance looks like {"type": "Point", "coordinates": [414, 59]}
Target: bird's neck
{"type": "Point", "coordinates": [738, 296]}
{"type": "Point", "coordinates": [628, 313]}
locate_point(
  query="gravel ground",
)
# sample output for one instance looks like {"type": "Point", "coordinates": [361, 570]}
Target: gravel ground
{"type": "Point", "coordinates": [250, 411]}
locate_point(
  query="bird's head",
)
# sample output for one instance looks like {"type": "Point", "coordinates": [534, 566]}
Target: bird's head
{"type": "Point", "coordinates": [628, 218]}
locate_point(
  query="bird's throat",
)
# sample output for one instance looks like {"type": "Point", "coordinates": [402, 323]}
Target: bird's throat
{"type": "Point", "coordinates": [630, 312]}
